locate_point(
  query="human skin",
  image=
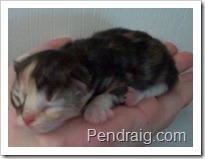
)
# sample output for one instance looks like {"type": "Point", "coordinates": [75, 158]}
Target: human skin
{"type": "Point", "coordinates": [151, 115]}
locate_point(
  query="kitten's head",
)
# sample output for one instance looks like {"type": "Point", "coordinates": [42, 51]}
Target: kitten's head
{"type": "Point", "coordinates": [43, 93]}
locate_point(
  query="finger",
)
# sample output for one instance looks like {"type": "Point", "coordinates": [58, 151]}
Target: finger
{"type": "Point", "coordinates": [186, 90]}
{"type": "Point", "coordinates": [52, 44]}
{"type": "Point", "coordinates": [172, 102]}
{"type": "Point", "coordinates": [171, 48]}
{"type": "Point", "coordinates": [183, 61]}
{"type": "Point", "coordinates": [56, 43]}
{"type": "Point", "coordinates": [180, 95]}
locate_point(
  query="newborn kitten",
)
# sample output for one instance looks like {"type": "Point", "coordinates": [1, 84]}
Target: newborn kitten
{"type": "Point", "coordinates": [90, 76]}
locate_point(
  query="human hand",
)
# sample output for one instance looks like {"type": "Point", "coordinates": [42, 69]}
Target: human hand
{"type": "Point", "coordinates": [150, 115]}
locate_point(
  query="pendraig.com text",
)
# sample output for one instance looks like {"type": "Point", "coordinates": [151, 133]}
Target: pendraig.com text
{"type": "Point", "coordinates": [138, 136]}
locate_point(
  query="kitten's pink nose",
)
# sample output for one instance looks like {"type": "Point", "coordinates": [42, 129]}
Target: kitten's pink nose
{"type": "Point", "coordinates": [28, 120]}
{"type": "Point", "coordinates": [28, 117]}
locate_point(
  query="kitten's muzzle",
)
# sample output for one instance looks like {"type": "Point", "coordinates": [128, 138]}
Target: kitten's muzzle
{"type": "Point", "coordinates": [28, 117]}
{"type": "Point", "coordinates": [28, 120]}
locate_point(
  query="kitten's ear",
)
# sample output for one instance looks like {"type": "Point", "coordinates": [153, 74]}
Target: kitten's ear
{"type": "Point", "coordinates": [16, 66]}
{"type": "Point", "coordinates": [79, 87]}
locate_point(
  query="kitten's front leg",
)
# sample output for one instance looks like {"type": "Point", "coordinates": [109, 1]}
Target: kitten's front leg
{"type": "Point", "coordinates": [99, 109]}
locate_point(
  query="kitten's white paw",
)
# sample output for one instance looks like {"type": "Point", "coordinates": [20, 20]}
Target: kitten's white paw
{"type": "Point", "coordinates": [98, 115]}
{"type": "Point", "coordinates": [132, 97]}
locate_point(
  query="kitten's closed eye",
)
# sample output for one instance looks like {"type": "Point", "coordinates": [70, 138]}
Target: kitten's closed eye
{"type": "Point", "coordinates": [18, 101]}
{"type": "Point", "coordinates": [18, 98]}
